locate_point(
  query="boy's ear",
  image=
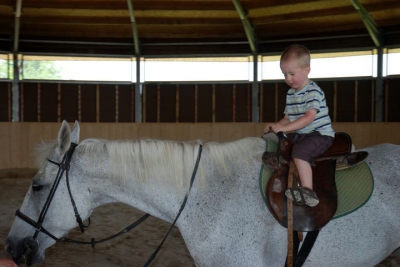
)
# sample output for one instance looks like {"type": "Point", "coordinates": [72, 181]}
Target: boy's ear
{"type": "Point", "coordinates": [307, 70]}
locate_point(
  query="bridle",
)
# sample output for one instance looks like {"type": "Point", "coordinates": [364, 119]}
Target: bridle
{"type": "Point", "coordinates": [32, 244]}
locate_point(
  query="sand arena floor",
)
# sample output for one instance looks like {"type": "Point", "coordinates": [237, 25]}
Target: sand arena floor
{"type": "Point", "coordinates": [130, 249]}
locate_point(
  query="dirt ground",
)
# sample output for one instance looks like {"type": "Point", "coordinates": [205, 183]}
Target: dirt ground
{"type": "Point", "coordinates": [130, 249]}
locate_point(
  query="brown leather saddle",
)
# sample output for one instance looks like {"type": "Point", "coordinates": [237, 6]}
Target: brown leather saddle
{"type": "Point", "coordinates": [306, 219]}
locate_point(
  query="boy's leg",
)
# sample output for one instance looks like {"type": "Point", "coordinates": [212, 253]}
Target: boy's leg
{"type": "Point", "coordinates": [306, 147]}
{"type": "Point", "coordinates": [305, 172]}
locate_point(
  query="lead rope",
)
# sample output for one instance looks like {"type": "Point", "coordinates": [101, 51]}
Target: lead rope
{"type": "Point", "coordinates": [153, 256]}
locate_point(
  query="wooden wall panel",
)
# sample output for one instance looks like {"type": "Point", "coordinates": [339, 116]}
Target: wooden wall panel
{"type": "Point", "coordinates": [5, 101]}
{"type": "Point", "coordinates": [150, 103]}
{"type": "Point", "coordinates": [268, 102]}
{"type": "Point", "coordinates": [205, 103]}
{"type": "Point", "coordinates": [187, 102]}
{"type": "Point", "coordinates": [107, 103]}
{"type": "Point", "coordinates": [88, 102]}
{"type": "Point", "coordinates": [224, 103]}
{"type": "Point", "coordinates": [126, 103]}
{"type": "Point", "coordinates": [29, 102]}
{"type": "Point", "coordinates": [364, 106]}
{"type": "Point", "coordinates": [393, 98]}
{"type": "Point", "coordinates": [168, 102]}
{"type": "Point", "coordinates": [242, 103]}
{"type": "Point", "coordinates": [346, 101]}
{"type": "Point", "coordinates": [69, 102]}
{"type": "Point", "coordinates": [48, 105]}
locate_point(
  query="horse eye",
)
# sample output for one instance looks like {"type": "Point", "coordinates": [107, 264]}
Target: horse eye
{"type": "Point", "coordinates": [36, 187]}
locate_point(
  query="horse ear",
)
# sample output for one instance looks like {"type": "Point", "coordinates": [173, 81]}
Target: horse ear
{"type": "Point", "coordinates": [75, 133]}
{"type": "Point", "coordinates": [64, 138]}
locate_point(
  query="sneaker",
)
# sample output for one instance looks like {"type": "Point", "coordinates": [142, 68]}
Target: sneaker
{"type": "Point", "coordinates": [302, 195]}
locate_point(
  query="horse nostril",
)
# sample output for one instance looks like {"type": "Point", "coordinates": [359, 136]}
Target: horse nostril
{"type": "Point", "coordinates": [8, 247]}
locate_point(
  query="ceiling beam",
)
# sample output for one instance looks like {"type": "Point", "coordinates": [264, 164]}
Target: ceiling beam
{"type": "Point", "coordinates": [247, 26]}
{"type": "Point", "coordinates": [373, 29]}
{"type": "Point", "coordinates": [134, 28]}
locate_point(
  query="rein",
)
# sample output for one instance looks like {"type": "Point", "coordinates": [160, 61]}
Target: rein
{"type": "Point", "coordinates": [32, 244]}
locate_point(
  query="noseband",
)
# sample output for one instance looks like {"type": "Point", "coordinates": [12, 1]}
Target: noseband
{"type": "Point", "coordinates": [32, 244]}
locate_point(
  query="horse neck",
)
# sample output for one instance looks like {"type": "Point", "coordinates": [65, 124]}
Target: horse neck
{"type": "Point", "coordinates": [158, 198]}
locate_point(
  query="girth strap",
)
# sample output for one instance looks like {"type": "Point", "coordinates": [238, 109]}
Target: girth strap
{"type": "Point", "coordinates": [301, 256]}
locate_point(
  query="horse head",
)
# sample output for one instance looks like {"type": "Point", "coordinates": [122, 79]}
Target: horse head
{"type": "Point", "coordinates": [57, 196]}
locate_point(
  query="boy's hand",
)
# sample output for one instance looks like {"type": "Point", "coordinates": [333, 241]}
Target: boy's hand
{"type": "Point", "coordinates": [268, 128]}
{"type": "Point", "coordinates": [278, 128]}
{"type": "Point", "coordinates": [7, 263]}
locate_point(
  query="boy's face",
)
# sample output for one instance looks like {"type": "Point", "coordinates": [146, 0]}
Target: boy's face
{"type": "Point", "coordinates": [296, 76]}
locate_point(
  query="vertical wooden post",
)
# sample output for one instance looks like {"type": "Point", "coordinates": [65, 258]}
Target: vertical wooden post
{"type": "Point", "coordinates": [373, 100]}
{"type": "Point", "coordinates": [276, 101]}
{"type": "Point", "coordinates": [97, 103]}
{"type": "Point", "coordinates": [144, 103]}
{"type": "Point", "coordinates": [158, 103]}
{"type": "Point", "coordinates": [132, 110]}
{"type": "Point", "coordinates": [234, 103]}
{"type": "Point", "coordinates": [356, 101]}
{"type": "Point", "coordinates": [334, 101]}
{"type": "Point", "coordinates": [22, 107]}
{"type": "Point", "coordinates": [79, 103]}
{"type": "Point", "coordinates": [177, 103]}
{"type": "Point", "coordinates": [38, 102]}
{"type": "Point", "coordinates": [116, 103]}
{"type": "Point", "coordinates": [386, 101]}
{"type": "Point", "coordinates": [213, 103]}
{"type": "Point", "coordinates": [9, 117]}
{"type": "Point", "coordinates": [58, 102]}
{"type": "Point", "coordinates": [196, 102]}
{"type": "Point", "coordinates": [249, 101]}
{"type": "Point", "coordinates": [261, 102]}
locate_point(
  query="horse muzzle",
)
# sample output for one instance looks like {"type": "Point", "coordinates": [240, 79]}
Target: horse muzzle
{"type": "Point", "coordinates": [24, 251]}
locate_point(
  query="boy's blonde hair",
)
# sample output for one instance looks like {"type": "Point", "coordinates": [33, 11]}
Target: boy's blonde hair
{"type": "Point", "coordinates": [297, 52]}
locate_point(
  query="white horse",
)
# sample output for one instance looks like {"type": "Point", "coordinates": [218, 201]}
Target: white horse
{"type": "Point", "coordinates": [225, 221]}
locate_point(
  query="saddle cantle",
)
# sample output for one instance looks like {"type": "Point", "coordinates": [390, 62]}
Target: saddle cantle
{"type": "Point", "coordinates": [305, 218]}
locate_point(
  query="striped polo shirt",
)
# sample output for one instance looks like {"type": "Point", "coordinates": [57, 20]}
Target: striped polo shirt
{"type": "Point", "coordinates": [310, 97]}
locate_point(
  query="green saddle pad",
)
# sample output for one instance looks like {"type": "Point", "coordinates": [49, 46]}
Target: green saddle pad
{"type": "Point", "coordinates": [354, 185]}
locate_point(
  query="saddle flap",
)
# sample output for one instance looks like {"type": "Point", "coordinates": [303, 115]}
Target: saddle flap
{"type": "Point", "coordinates": [305, 218]}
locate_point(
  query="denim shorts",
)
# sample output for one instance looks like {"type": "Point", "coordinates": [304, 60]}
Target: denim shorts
{"type": "Point", "coordinates": [308, 146]}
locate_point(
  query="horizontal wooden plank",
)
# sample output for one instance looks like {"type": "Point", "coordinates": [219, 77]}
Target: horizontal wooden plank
{"type": "Point", "coordinates": [18, 140]}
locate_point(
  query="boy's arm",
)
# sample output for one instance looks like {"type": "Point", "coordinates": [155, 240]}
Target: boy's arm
{"type": "Point", "coordinates": [285, 126]}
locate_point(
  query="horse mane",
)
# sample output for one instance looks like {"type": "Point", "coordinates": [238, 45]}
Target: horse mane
{"type": "Point", "coordinates": [149, 160]}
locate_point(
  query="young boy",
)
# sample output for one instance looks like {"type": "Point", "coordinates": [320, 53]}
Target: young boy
{"type": "Point", "coordinates": [306, 121]}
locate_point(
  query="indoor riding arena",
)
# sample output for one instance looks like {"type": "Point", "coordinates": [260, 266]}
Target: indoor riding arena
{"type": "Point", "coordinates": [202, 71]}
